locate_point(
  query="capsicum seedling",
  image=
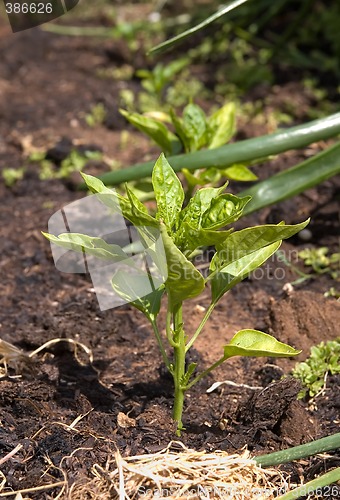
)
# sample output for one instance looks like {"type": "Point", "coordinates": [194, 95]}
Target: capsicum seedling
{"type": "Point", "coordinates": [183, 231]}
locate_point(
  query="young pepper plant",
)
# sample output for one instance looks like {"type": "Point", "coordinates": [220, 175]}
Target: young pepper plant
{"type": "Point", "coordinates": [183, 231]}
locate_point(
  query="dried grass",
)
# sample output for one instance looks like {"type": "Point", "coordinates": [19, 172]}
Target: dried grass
{"type": "Point", "coordinates": [185, 474]}
{"type": "Point", "coordinates": [13, 357]}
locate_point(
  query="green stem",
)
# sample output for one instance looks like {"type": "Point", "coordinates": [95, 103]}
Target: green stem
{"type": "Point", "coordinates": [160, 343]}
{"type": "Point", "coordinates": [238, 152]}
{"type": "Point", "coordinates": [205, 372]}
{"type": "Point", "coordinates": [221, 12]}
{"type": "Point", "coordinates": [312, 486]}
{"type": "Point", "coordinates": [179, 367]}
{"type": "Point", "coordinates": [169, 331]}
{"type": "Point", "coordinates": [293, 181]}
{"type": "Point", "coordinates": [200, 327]}
{"type": "Point", "coordinates": [302, 451]}
{"type": "Point", "coordinates": [81, 30]}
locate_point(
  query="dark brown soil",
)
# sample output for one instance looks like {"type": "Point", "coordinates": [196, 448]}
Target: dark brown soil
{"type": "Point", "coordinates": [47, 83]}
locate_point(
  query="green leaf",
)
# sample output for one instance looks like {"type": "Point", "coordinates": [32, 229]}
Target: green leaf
{"type": "Point", "coordinates": [221, 12]}
{"type": "Point", "coordinates": [244, 242]}
{"type": "Point", "coordinates": [226, 278]}
{"type": "Point", "coordinates": [193, 237]}
{"type": "Point", "coordinates": [208, 176]}
{"type": "Point", "coordinates": [129, 208]}
{"type": "Point", "coordinates": [168, 192]}
{"type": "Point", "coordinates": [172, 68]}
{"type": "Point", "coordinates": [137, 206]}
{"type": "Point", "coordinates": [199, 204]}
{"type": "Point", "coordinates": [180, 130]}
{"type": "Point", "coordinates": [95, 185]}
{"type": "Point", "coordinates": [186, 377]}
{"type": "Point", "coordinates": [192, 128]}
{"type": "Point", "coordinates": [222, 126]}
{"type": "Point", "coordinates": [194, 125]}
{"type": "Point", "coordinates": [213, 175]}
{"type": "Point", "coordinates": [223, 210]}
{"type": "Point", "coordinates": [191, 234]}
{"type": "Point", "coordinates": [132, 288]}
{"type": "Point", "coordinates": [192, 215]}
{"type": "Point", "coordinates": [138, 210]}
{"type": "Point", "coordinates": [88, 244]}
{"type": "Point", "coordinates": [256, 343]}
{"type": "Point", "coordinates": [184, 281]}
{"type": "Point", "coordinates": [154, 129]}
{"type": "Point", "coordinates": [239, 172]}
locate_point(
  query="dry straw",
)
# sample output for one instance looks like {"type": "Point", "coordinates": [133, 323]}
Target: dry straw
{"type": "Point", "coordinates": [177, 473]}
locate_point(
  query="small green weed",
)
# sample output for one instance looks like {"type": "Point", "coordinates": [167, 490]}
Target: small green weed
{"type": "Point", "coordinates": [323, 360]}
{"type": "Point", "coordinates": [320, 262]}
{"type": "Point", "coordinates": [12, 175]}
{"type": "Point", "coordinates": [96, 116]}
{"type": "Point", "coordinates": [155, 81]}
{"type": "Point", "coordinates": [74, 162]}
{"type": "Point", "coordinates": [165, 86]}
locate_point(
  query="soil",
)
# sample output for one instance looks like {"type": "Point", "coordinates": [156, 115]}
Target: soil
{"type": "Point", "coordinates": [70, 414]}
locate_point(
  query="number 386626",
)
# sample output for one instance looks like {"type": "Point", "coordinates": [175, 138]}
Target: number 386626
{"type": "Point", "coordinates": [32, 8]}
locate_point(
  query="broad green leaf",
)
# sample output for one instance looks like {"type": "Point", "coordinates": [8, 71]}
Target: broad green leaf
{"type": "Point", "coordinates": [239, 172]}
{"type": "Point", "coordinates": [180, 131]}
{"type": "Point", "coordinates": [193, 212]}
{"type": "Point", "coordinates": [223, 210]}
{"type": "Point", "coordinates": [195, 126]}
{"type": "Point", "coordinates": [143, 73]}
{"type": "Point", "coordinates": [184, 281]}
{"type": "Point", "coordinates": [154, 129]}
{"type": "Point", "coordinates": [256, 343]}
{"type": "Point", "coordinates": [88, 244]}
{"type": "Point", "coordinates": [193, 237]}
{"type": "Point", "coordinates": [244, 242]}
{"type": "Point", "coordinates": [95, 185]}
{"type": "Point", "coordinates": [168, 192]}
{"type": "Point", "coordinates": [191, 128]}
{"type": "Point", "coordinates": [172, 68]}
{"type": "Point", "coordinates": [139, 212]}
{"type": "Point", "coordinates": [118, 204]}
{"type": "Point", "coordinates": [212, 175]}
{"type": "Point", "coordinates": [198, 205]}
{"type": "Point", "coordinates": [160, 116]}
{"type": "Point", "coordinates": [229, 276]}
{"type": "Point", "coordinates": [222, 126]}
{"type": "Point", "coordinates": [208, 176]}
{"type": "Point", "coordinates": [137, 206]}
{"type": "Point", "coordinates": [135, 289]}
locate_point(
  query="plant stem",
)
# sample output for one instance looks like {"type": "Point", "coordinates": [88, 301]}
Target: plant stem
{"type": "Point", "coordinates": [169, 331]}
{"type": "Point", "coordinates": [200, 327]}
{"type": "Point", "coordinates": [301, 451]}
{"type": "Point", "coordinates": [238, 152]}
{"type": "Point", "coordinates": [179, 367]}
{"type": "Point", "coordinates": [160, 344]}
{"type": "Point", "coordinates": [312, 486]}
